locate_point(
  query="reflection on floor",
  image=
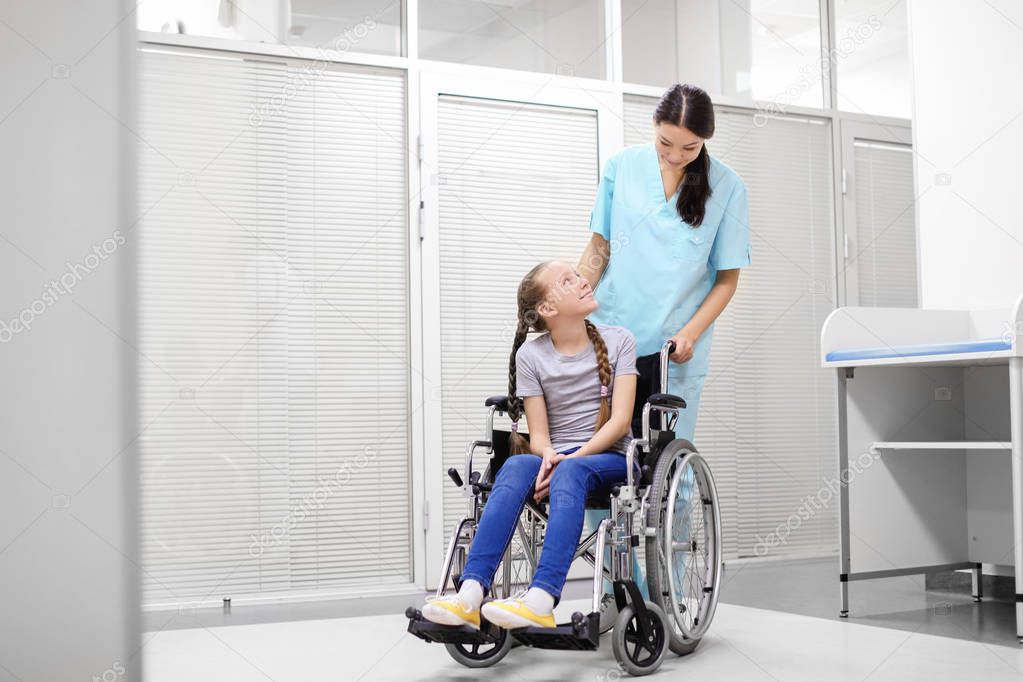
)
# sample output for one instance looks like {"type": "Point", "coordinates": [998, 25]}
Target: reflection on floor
{"type": "Point", "coordinates": [778, 621]}
{"type": "Point", "coordinates": [810, 588]}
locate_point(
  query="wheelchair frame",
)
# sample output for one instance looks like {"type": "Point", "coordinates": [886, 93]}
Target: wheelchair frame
{"type": "Point", "coordinates": [617, 532]}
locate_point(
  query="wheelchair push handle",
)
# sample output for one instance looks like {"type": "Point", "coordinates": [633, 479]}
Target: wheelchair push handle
{"type": "Point", "coordinates": [666, 350]}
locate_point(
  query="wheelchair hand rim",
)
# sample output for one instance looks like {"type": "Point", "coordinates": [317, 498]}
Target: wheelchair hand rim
{"type": "Point", "coordinates": [692, 464]}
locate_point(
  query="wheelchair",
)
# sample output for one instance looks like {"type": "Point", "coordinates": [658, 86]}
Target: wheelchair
{"type": "Point", "coordinates": [668, 501]}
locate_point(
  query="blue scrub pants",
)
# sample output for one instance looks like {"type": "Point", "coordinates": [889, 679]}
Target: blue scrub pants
{"type": "Point", "coordinates": [689, 388]}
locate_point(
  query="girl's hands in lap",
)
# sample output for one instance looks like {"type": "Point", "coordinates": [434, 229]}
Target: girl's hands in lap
{"type": "Point", "coordinates": [551, 459]}
{"type": "Point", "coordinates": [546, 467]}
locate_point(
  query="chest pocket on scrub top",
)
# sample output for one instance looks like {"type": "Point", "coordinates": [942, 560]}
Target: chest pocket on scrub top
{"type": "Point", "coordinates": [692, 245]}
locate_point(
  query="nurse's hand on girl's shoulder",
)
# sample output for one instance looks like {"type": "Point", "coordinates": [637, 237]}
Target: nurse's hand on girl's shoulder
{"type": "Point", "coordinates": [684, 343]}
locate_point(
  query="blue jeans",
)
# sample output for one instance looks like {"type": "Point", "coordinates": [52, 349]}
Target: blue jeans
{"type": "Point", "coordinates": [572, 481]}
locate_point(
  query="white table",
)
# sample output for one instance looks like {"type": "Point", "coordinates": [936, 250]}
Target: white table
{"type": "Point", "coordinates": [930, 441]}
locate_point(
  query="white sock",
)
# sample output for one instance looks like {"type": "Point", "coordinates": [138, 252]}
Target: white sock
{"type": "Point", "coordinates": [538, 601]}
{"type": "Point", "coordinates": [471, 592]}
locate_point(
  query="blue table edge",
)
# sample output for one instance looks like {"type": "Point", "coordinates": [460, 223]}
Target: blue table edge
{"type": "Point", "coordinates": [978, 346]}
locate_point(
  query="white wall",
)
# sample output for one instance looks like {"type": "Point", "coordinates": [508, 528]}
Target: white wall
{"type": "Point", "coordinates": [68, 560]}
{"type": "Point", "coordinates": [653, 54]}
{"type": "Point", "coordinates": [968, 134]}
{"type": "Point", "coordinates": [563, 37]}
{"type": "Point", "coordinates": [699, 58]}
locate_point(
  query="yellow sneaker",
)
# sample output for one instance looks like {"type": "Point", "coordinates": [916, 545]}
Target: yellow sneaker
{"type": "Point", "coordinates": [451, 611]}
{"type": "Point", "coordinates": [513, 613]}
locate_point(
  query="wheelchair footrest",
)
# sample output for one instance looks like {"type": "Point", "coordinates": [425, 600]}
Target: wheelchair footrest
{"type": "Point", "coordinates": [582, 634]}
{"type": "Point", "coordinates": [450, 634]}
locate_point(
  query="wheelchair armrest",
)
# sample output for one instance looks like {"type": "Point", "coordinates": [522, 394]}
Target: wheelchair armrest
{"type": "Point", "coordinates": [498, 401]}
{"type": "Point", "coordinates": [667, 400]}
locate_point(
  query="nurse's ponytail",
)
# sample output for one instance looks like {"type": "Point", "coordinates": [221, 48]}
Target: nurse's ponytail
{"type": "Point", "coordinates": [688, 106]}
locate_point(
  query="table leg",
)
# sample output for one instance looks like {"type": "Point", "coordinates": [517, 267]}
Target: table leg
{"type": "Point", "coordinates": [843, 492]}
{"type": "Point", "coordinates": [1016, 431]}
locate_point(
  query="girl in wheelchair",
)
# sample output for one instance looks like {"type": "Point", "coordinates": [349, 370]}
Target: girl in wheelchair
{"type": "Point", "coordinates": [577, 385]}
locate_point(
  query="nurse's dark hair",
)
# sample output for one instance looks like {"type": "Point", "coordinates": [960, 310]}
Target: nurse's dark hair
{"type": "Point", "coordinates": [689, 107]}
{"type": "Point", "coordinates": [531, 294]}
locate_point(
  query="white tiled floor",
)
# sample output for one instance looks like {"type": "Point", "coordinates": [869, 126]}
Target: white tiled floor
{"type": "Point", "coordinates": [745, 644]}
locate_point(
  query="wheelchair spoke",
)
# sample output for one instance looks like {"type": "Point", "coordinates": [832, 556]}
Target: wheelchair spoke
{"type": "Point", "coordinates": [688, 565]}
{"type": "Point", "coordinates": [687, 548]}
{"type": "Point", "coordinates": [681, 581]}
{"type": "Point", "coordinates": [695, 591]}
{"type": "Point", "coordinates": [687, 596]}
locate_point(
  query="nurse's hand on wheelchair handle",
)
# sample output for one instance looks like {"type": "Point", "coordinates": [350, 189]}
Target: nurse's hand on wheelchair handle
{"type": "Point", "coordinates": [683, 346]}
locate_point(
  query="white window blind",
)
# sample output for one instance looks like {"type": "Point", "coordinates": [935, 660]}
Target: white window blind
{"type": "Point", "coordinates": [885, 225]}
{"type": "Point", "coordinates": [765, 419]}
{"type": "Point", "coordinates": [273, 327]}
{"type": "Point", "coordinates": [348, 354]}
{"type": "Point", "coordinates": [500, 214]}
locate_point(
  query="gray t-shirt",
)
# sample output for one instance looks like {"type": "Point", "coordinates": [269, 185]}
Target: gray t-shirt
{"type": "Point", "coordinates": [570, 384]}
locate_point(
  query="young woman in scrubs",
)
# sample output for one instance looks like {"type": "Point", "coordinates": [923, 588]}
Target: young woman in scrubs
{"type": "Point", "coordinates": [670, 231]}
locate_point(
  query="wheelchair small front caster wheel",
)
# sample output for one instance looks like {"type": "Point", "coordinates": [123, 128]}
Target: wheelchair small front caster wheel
{"type": "Point", "coordinates": [635, 654]}
{"type": "Point", "coordinates": [476, 655]}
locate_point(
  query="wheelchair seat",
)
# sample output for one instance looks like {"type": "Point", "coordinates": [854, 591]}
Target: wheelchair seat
{"type": "Point", "coordinates": [598, 499]}
{"type": "Point", "coordinates": [647, 390]}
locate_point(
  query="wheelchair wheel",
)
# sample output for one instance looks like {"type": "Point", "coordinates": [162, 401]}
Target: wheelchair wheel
{"type": "Point", "coordinates": [637, 655]}
{"type": "Point", "coordinates": [481, 655]}
{"type": "Point", "coordinates": [684, 556]}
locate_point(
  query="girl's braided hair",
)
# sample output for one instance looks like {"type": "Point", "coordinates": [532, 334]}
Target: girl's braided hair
{"type": "Point", "coordinates": [531, 294]}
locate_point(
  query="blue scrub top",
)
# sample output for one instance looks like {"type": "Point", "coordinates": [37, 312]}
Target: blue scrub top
{"type": "Point", "coordinates": [661, 268]}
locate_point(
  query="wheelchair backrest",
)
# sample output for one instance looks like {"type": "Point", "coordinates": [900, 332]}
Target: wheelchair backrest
{"type": "Point", "coordinates": [647, 383]}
